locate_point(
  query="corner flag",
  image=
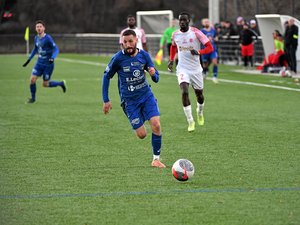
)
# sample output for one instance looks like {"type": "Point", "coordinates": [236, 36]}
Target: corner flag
{"type": "Point", "coordinates": [26, 36]}
{"type": "Point", "coordinates": [159, 57]}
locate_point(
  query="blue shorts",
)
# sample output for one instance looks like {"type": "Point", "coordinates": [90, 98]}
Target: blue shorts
{"type": "Point", "coordinates": [210, 56]}
{"type": "Point", "coordinates": [42, 69]}
{"type": "Point", "coordinates": [138, 111]}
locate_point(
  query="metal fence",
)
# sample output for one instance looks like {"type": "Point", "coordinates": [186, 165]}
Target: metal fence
{"type": "Point", "coordinates": [108, 44]}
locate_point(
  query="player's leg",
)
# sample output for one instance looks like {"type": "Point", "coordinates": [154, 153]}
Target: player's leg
{"type": "Point", "coordinates": [250, 54]}
{"type": "Point", "coordinates": [205, 65]}
{"type": "Point", "coordinates": [47, 82]}
{"type": "Point", "coordinates": [198, 86]}
{"type": "Point", "coordinates": [33, 80]}
{"type": "Point", "coordinates": [187, 108]}
{"type": "Point", "coordinates": [36, 72]}
{"type": "Point", "coordinates": [215, 68]}
{"type": "Point", "coordinates": [156, 141]}
{"type": "Point", "coordinates": [151, 112]}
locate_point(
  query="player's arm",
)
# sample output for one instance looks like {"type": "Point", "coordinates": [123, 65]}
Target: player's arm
{"type": "Point", "coordinates": [108, 74]}
{"type": "Point", "coordinates": [151, 69]}
{"type": "Point", "coordinates": [173, 51]}
{"type": "Point", "coordinates": [144, 40]}
{"type": "Point", "coordinates": [33, 52]}
{"type": "Point", "coordinates": [208, 48]}
{"type": "Point", "coordinates": [55, 50]}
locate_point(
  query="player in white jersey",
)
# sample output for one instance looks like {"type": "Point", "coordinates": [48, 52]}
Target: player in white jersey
{"type": "Point", "coordinates": [187, 42]}
{"type": "Point", "coordinates": [140, 33]}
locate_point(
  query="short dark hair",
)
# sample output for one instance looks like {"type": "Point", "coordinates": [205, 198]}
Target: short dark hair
{"type": "Point", "coordinates": [130, 15]}
{"type": "Point", "coordinates": [129, 32]}
{"type": "Point", "coordinates": [186, 14]}
{"type": "Point", "coordinates": [40, 21]}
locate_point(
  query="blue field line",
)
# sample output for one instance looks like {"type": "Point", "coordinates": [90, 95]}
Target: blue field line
{"type": "Point", "coordinates": [113, 194]}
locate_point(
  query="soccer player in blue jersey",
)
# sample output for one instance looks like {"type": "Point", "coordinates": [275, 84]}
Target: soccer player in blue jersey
{"type": "Point", "coordinates": [47, 52]}
{"type": "Point", "coordinates": [212, 57]}
{"type": "Point", "coordinates": [138, 101]}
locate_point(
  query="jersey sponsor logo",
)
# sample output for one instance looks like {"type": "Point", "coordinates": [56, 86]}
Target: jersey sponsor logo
{"type": "Point", "coordinates": [191, 39]}
{"type": "Point", "coordinates": [137, 87]}
{"type": "Point", "coordinates": [126, 69]}
{"type": "Point", "coordinates": [135, 121]}
{"type": "Point", "coordinates": [137, 64]}
{"type": "Point", "coordinates": [182, 48]}
{"type": "Point", "coordinates": [136, 73]}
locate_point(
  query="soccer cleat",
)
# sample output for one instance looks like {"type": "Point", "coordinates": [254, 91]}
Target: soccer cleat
{"type": "Point", "coordinates": [158, 164]}
{"type": "Point", "coordinates": [64, 86]}
{"type": "Point", "coordinates": [215, 80]}
{"type": "Point", "coordinates": [200, 119]}
{"type": "Point", "coordinates": [191, 126]}
{"type": "Point", "coordinates": [30, 100]}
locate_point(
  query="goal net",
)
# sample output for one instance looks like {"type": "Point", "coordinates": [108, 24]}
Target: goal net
{"type": "Point", "coordinates": [154, 22]}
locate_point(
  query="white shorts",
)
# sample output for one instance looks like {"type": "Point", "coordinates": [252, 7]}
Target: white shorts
{"type": "Point", "coordinates": [194, 78]}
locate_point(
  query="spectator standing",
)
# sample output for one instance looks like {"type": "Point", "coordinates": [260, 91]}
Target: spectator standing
{"type": "Point", "coordinates": [291, 44]}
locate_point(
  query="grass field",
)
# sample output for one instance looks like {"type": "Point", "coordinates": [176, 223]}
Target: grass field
{"type": "Point", "coordinates": [64, 162]}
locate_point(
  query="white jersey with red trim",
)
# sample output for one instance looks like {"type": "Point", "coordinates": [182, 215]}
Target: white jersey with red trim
{"type": "Point", "coordinates": [186, 41]}
{"type": "Point", "coordinates": [140, 34]}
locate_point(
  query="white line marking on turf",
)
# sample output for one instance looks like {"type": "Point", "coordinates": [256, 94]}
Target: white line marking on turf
{"type": "Point", "coordinates": [168, 73]}
{"type": "Point", "coordinates": [118, 194]}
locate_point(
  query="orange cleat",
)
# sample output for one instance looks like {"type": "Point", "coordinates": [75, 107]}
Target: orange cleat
{"type": "Point", "coordinates": [158, 164]}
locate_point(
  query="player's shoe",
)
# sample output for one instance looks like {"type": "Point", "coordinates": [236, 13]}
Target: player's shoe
{"type": "Point", "coordinates": [215, 80]}
{"type": "Point", "coordinates": [30, 100]}
{"type": "Point", "coordinates": [64, 86]}
{"type": "Point", "coordinates": [191, 126]}
{"type": "Point", "coordinates": [158, 164]}
{"type": "Point", "coordinates": [200, 119]}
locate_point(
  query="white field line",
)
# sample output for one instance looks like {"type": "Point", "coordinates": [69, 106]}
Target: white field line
{"type": "Point", "coordinates": [168, 73]}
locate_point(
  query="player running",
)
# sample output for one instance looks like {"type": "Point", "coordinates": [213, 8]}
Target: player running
{"type": "Point", "coordinates": [187, 41]}
{"type": "Point", "coordinates": [138, 101]}
{"type": "Point", "coordinates": [47, 52]}
{"type": "Point", "coordinates": [140, 33]}
{"type": "Point", "coordinates": [212, 57]}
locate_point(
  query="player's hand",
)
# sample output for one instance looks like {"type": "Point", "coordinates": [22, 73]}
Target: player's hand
{"type": "Point", "coordinates": [151, 71]}
{"type": "Point", "coordinates": [194, 52]}
{"type": "Point", "coordinates": [106, 107]}
{"type": "Point", "coordinates": [51, 60]}
{"type": "Point", "coordinates": [26, 63]}
{"type": "Point", "coordinates": [170, 66]}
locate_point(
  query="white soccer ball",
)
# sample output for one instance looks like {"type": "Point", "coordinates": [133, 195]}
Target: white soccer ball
{"type": "Point", "coordinates": [282, 72]}
{"type": "Point", "coordinates": [288, 73]}
{"type": "Point", "coordinates": [183, 169]}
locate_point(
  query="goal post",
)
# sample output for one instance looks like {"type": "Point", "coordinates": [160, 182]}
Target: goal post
{"type": "Point", "coordinates": [267, 23]}
{"type": "Point", "coordinates": [154, 22]}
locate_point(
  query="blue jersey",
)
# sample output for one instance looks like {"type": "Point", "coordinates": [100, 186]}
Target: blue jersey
{"type": "Point", "coordinates": [46, 49]}
{"type": "Point", "coordinates": [132, 81]}
{"type": "Point", "coordinates": [211, 34]}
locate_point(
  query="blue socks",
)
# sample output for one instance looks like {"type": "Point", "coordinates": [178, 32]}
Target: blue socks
{"type": "Point", "coordinates": [55, 83]}
{"type": "Point", "coordinates": [156, 144]}
{"type": "Point", "coordinates": [33, 91]}
{"type": "Point", "coordinates": [215, 71]}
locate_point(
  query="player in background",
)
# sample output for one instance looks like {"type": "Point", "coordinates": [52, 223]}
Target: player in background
{"type": "Point", "coordinates": [140, 33]}
{"type": "Point", "coordinates": [137, 99]}
{"type": "Point", "coordinates": [167, 36]}
{"type": "Point", "coordinates": [187, 41]}
{"type": "Point", "coordinates": [212, 57]}
{"type": "Point", "coordinates": [247, 45]}
{"type": "Point", "coordinates": [47, 52]}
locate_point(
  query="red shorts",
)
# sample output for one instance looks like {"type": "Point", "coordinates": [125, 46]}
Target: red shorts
{"type": "Point", "coordinates": [248, 50]}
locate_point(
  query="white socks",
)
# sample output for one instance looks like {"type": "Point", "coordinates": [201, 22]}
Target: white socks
{"type": "Point", "coordinates": [188, 113]}
{"type": "Point", "coordinates": [155, 157]}
{"type": "Point", "coordinates": [200, 108]}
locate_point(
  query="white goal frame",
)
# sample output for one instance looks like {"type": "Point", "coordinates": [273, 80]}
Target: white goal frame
{"type": "Point", "coordinates": [139, 14]}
